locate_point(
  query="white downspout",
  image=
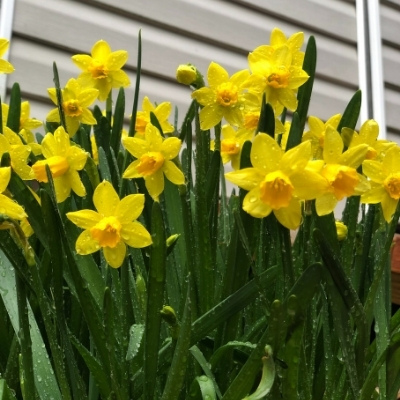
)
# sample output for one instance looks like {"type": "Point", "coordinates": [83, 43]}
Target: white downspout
{"type": "Point", "coordinates": [370, 63]}
{"type": "Point", "coordinates": [6, 23]}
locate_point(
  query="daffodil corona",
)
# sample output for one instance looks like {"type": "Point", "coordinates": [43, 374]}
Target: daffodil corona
{"type": "Point", "coordinates": [112, 227]}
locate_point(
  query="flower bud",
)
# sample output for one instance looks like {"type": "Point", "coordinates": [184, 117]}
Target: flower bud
{"type": "Point", "coordinates": [186, 74]}
{"type": "Point", "coordinates": [341, 230]}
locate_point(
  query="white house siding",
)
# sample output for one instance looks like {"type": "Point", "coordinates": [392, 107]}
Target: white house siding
{"type": "Point", "coordinates": [181, 31]}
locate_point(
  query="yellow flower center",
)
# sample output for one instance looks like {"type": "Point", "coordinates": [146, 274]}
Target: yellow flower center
{"type": "Point", "coordinates": [279, 79]}
{"type": "Point", "coordinates": [107, 232]}
{"type": "Point", "coordinates": [150, 163]}
{"type": "Point", "coordinates": [342, 179]}
{"type": "Point", "coordinates": [141, 122]}
{"type": "Point", "coordinates": [227, 94]}
{"type": "Point", "coordinates": [230, 146]}
{"type": "Point", "coordinates": [276, 190]}
{"type": "Point", "coordinates": [72, 108]}
{"type": "Point", "coordinates": [392, 185]}
{"type": "Point", "coordinates": [58, 166]}
{"type": "Point", "coordinates": [251, 120]}
{"type": "Point", "coordinates": [98, 70]}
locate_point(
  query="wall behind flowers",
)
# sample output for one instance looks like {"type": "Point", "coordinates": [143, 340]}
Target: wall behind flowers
{"type": "Point", "coordinates": [181, 31]}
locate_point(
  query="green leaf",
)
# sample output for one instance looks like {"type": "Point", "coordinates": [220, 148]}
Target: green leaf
{"type": "Point", "coordinates": [304, 93]}
{"type": "Point", "coordinates": [45, 382]}
{"type": "Point", "coordinates": [295, 132]}
{"type": "Point", "coordinates": [5, 392]}
{"type": "Point", "coordinates": [118, 122]}
{"type": "Point", "coordinates": [351, 113]}
{"type": "Point", "coordinates": [135, 340]}
{"type": "Point", "coordinates": [14, 113]}
{"type": "Point", "coordinates": [266, 123]}
{"type": "Point", "coordinates": [206, 387]}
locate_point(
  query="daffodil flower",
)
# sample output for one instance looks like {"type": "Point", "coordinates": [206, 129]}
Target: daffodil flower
{"type": "Point", "coordinates": [11, 143]}
{"type": "Point", "coordinates": [5, 66]}
{"type": "Point", "coordinates": [161, 111]}
{"type": "Point", "coordinates": [232, 141]}
{"type": "Point", "coordinates": [224, 98]}
{"type": "Point", "coordinates": [316, 133]}
{"type": "Point", "coordinates": [64, 161]}
{"type": "Point", "coordinates": [368, 135]}
{"type": "Point", "coordinates": [8, 206]}
{"type": "Point", "coordinates": [274, 73]}
{"type": "Point", "coordinates": [76, 101]}
{"type": "Point", "coordinates": [340, 171]}
{"type": "Point", "coordinates": [102, 70]}
{"type": "Point", "coordinates": [154, 157]}
{"type": "Point", "coordinates": [384, 176]}
{"type": "Point", "coordinates": [294, 42]}
{"type": "Point", "coordinates": [112, 227]}
{"type": "Point", "coordinates": [278, 181]}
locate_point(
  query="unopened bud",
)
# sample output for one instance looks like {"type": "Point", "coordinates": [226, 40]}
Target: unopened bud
{"type": "Point", "coordinates": [341, 230]}
{"type": "Point", "coordinates": [186, 74]}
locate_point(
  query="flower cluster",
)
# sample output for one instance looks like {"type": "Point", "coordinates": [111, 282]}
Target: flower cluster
{"type": "Point", "coordinates": [326, 166]}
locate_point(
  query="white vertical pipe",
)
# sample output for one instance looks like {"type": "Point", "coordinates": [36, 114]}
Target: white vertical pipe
{"type": "Point", "coordinates": [370, 65]}
{"type": "Point", "coordinates": [6, 23]}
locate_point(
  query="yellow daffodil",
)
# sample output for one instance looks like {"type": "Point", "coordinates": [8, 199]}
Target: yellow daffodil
{"type": "Point", "coordinates": [162, 112]}
{"type": "Point", "coordinates": [278, 181]}
{"type": "Point", "coordinates": [274, 73]}
{"type": "Point", "coordinates": [154, 160]}
{"type": "Point", "coordinates": [224, 98]}
{"type": "Point", "coordinates": [368, 135]}
{"type": "Point", "coordinates": [11, 143]}
{"type": "Point", "coordinates": [232, 141]}
{"type": "Point", "coordinates": [294, 42]}
{"type": "Point", "coordinates": [5, 66]}
{"type": "Point", "coordinates": [102, 70]}
{"type": "Point", "coordinates": [112, 227]}
{"type": "Point", "coordinates": [25, 127]}
{"type": "Point", "coordinates": [340, 170]}
{"type": "Point", "coordinates": [186, 74]}
{"type": "Point", "coordinates": [76, 100]}
{"type": "Point", "coordinates": [385, 182]}
{"type": "Point", "coordinates": [8, 206]}
{"type": "Point", "coordinates": [64, 161]}
{"type": "Point", "coordinates": [316, 134]}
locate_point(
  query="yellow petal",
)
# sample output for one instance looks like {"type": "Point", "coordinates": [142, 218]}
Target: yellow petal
{"type": "Point", "coordinates": [72, 125]}
{"type": "Point", "coordinates": [163, 111]}
{"type": "Point", "coordinates": [216, 75]}
{"type": "Point", "coordinates": [82, 61]}
{"type": "Point", "coordinates": [61, 140]}
{"type": "Point", "coordinates": [76, 158]}
{"type": "Point", "coordinates": [117, 60]}
{"type": "Point", "coordinates": [119, 79]}
{"type": "Point", "coordinates": [62, 186]}
{"type": "Point", "coordinates": [155, 184]}
{"type": "Point", "coordinates": [85, 244]}
{"type": "Point", "coordinates": [5, 175]}
{"type": "Point", "coordinates": [85, 219]}
{"type": "Point", "coordinates": [253, 204]}
{"type": "Point", "coordinates": [101, 50]}
{"type": "Point", "coordinates": [309, 185]}
{"type": "Point", "coordinates": [247, 178]}
{"type": "Point", "coordinates": [391, 162]}
{"type": "Point", "coordinates": [76, 183]}
{"type": "Point", "coordinates": [87, 117]}
{"type": "Point", "coordinates": [136, 146]}
{"type": "Point", "coordinates": [131, 172]}
{"type": "Point", "coordinates": [296, 158]}
{"type": "Point", "coordinates": [53, 115]}
{"type": "Point", "coordinates": [290, 217]}
{"type": "Point", "coordinates": [373, 169]}
{"type": "Point", "coordinates": [173, 173]}
{"type": "Point", "coordinates": [389, 206]}
{"type": "Point", "coordinates": [333, 146]}
{"type": "Point", "coordinates": [170, 147]}
{"type": "Point", "coordinates": [204, 96]}
{"type": "Point", "coordinates": [130, 207]}
{"type": "Point", "coordinates": [6, 67]}
{"type": "Point", "coordinates": [153, 137]}
{"type": "Point", "coordinates": [136, 235]}
{"type": "Point", "coordinates": [265, 154]}
{"type": "Point", "coordinates": [210, 115]}
{"type": "Point", "coordinates": [105, 199]}
{"type": "Point", "coordinates": [11, 208]}
{"type": "Point", "coordinates": [115, 256]}
{"type": "Point", "coordinates": [325, 204]}
{"type": "Point", "coordinates": [374, 195]}
{"type": "Point", "coordinates": [354, 156]}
